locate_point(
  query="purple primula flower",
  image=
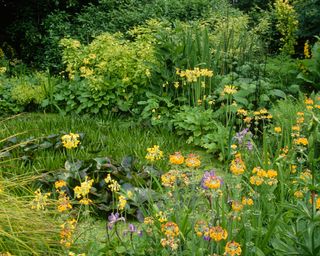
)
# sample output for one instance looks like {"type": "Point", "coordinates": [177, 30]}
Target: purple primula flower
{"type": "Point", "coordinates": [249, 145]}
{"type": "Point", "coordinates": [132, 228]}
{"type": "Point", "coordinates": [240, 135]}
{"type": "Point", "coordinates": [210, 180]}
{"type": "Point", "coordinates": [114, 218]}
{"type": "Point", "coordinates": [207, 238]}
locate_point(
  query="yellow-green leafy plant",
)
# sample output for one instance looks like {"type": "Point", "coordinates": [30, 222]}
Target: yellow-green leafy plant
{"type": "Point", "coordinates": [25, 93]}
{"type": "Point", "coordinates": [287, 25]}
{"type": "Point", "coordinates": [234, 42]}
{"type": "Point", "coordinates": [111, 64]}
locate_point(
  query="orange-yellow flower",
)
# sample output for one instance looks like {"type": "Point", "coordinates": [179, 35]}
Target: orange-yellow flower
{"type": "Point", "coordinates": [193, 161]}
{"type": "Point", "coordinates": [176, 158]}
{"type": "Point", "coordinates": [218, 233]}
{"type": "Point", "coordinates": [232, 248]}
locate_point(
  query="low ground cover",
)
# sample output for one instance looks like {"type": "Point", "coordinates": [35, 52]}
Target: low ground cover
{"type": "Point", "coordinates": [170, 200]}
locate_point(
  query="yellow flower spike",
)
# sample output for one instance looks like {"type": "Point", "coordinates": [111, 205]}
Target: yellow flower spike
{"type": "Point", "coordinates": [306, 50]}
{"type": "Point", "coordinates": [40, 201]}
{"type": "Point", "coordinates": [83, 190]}
{"type": "Point", "coordinates": [122, 203]}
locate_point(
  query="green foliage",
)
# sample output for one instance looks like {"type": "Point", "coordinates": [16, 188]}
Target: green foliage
{"type": "Point", "coordinates": [157, 109]}
{"type": "Point", "coordinates": [234, 43]}
{"type": "Point", "coordinates": [309, 18]}
{"type": "Point", "coordinates": [282, 70]}
{"type": "Point", "coordinates": [77, 97]}
{"type": "Point", "coordinates": [299, 236]}
{"type": "Point", "coordinates": [200, 128]}
{"type": "Point", "coordinates": [7, 104]}
{"type": "Point", "coordinates": [18, 221]}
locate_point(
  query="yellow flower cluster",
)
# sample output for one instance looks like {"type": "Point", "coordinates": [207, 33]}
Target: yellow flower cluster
{"type": "Point", "coordinates": [63, 200]}
{"type": "Point", "coordinates": [232, 249]}
{"type": "Point", "coordinates": [67, 230]}
{"type": "Point", "coordinates": [40, 201]}
{"type": "Point", "coordinates": [218, 233]}
{"type": "Point", "coordinates": [277, 129]}
{"type": "Point", "coordinates": [293, 168]}
{"type": "Point", "coordinates": [171, 231]}
{"type": "Point", "coordinates": [310, 104]}
{"type": "Point", "coordinates": [73, 254]}
{"type": "Point", "coordinates": [298, 194]}
{"type": "Point", "coordinates": [261, 176]}
{"type": "Point", "coordinates": [122, 203]}
{"type": "Point", "coordinates": [262, 114]}
{"type": "Point", "coordinates": [202, 229]}
{"type": "Point", "coordinates": [306, 50]}
{"type": "Point", "coordinates": [3, 70]}
{"type": "Point", "coordinates": [193, 161]}
{"type": "Point", "coordinates": [113, 185]}
{"type": "Point", "coordinates": [306, 175]}
{"type": "Point", "coordinates": [70, 140]}
{"type": "Point", "coordinates": [229, 90]}
{"type": "Point", "coordinates": [247, 201]}
{"type": "Point", "coordinates": [83, 191]}
{"type": "Point", "coordinates": [170, 242]}
{"type": "Point", "coordinates": [173, 177]}
{"type": "Point", "coordinates": [242, 112]}
{"type": "Point", "coordinates": [301, 142]}
{"type": "Point", "coordinates": [161, 216]}
{"type": "Point", "coordinates": [236, 206]}
{"type": "Point", "coordinates": [177, 158]}
{"type": "Point", "coordinates": [237, 166]}
{"type": "Point", "coordinates": [148, 221]}
{"type": "Point", "coordinates": [192, 75]}
{"type": "Point", "coordinates": [154, 153]}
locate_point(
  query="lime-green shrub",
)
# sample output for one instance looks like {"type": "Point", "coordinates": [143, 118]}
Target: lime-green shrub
{"type": "Point", "coordinates": [287, 25]}
{"type": "Point", "coordinates": [25, 93]}
{"type": "Point", "coordinates": [110, 63]}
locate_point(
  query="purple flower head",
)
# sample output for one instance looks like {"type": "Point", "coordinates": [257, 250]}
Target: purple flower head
{"type": "Point", "coordinates": [249, 145]}
{"type": "Point", "coordinates": [132, 228]}
{"type": "Point", "coordinates": [210, 180]}
{"type": "Point", "coordinates": [240, 135]}
{"type": "Point", "coordinates": [114, 218]}
{"type": "Point", "coordinates": [207, 238]}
